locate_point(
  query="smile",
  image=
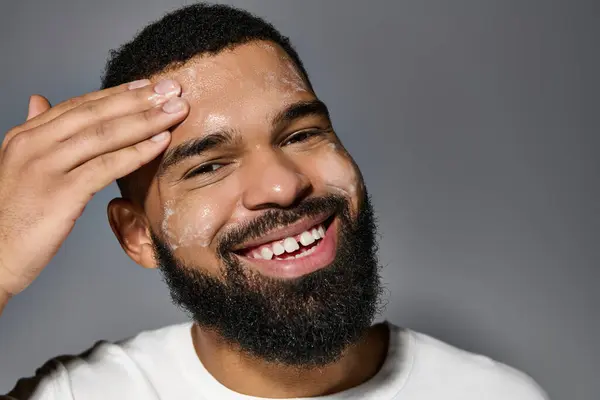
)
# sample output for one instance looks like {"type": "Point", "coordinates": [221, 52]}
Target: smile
{"type": "Point", "coordinates": [294, 251]}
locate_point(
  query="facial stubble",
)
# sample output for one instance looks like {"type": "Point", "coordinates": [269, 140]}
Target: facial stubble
{"type": "Point", "coordinates": [304, 322]}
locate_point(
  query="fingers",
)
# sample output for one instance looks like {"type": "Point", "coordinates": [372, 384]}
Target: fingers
{"type": "Point", "coordinates": [115, 134]}
{"type": "Point", "coordinates": [101, 171]}
{"type": "Point", "coordinates": [37, 105]}
{"type": "Point", "coordinates": [97, 111]}
{"type": "Point", "coordinates": [69, 104]}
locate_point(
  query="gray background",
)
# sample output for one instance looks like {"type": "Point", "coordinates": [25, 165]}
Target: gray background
{"type": "Point", "coordinates": [474, 122]}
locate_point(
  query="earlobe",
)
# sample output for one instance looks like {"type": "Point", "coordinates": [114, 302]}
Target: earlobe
{"type": "Point", "coordinates": [130, 226]}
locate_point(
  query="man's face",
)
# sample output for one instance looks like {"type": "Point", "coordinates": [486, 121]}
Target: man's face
{"type": "Point", "coordinates": [258, 213]}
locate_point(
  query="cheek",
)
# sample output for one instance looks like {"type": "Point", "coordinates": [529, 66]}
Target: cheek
{"type": "Point", "coordinates": [338, 172]}
{"type": "Point", "coordinates": [191, 220]}
{"type": "Point", "coordinates": [191, 223]}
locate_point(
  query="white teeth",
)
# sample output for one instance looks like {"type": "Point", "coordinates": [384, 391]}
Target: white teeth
{"type": "Point", "coordinates": [321, 231]}
{"type": "Point", "coordinates": [306, 238]}
{"type": "Point", "coordinates": [278, 249]}
{"type": "Point", "coordinates": [315, 234]}
{"type": "Point", "coordinates": [266, 253]}
{"type": "Point", "coordinates": [290, 245]}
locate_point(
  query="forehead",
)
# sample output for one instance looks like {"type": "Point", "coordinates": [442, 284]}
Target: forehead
{"type": "Point", "coordinates": [246, 84]}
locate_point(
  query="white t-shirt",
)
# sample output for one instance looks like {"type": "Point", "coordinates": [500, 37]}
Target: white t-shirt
{"type": "Point", "coordinates": [163, 365]}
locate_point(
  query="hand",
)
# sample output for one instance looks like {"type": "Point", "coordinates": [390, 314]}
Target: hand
{"type": "Point", "coordinates": [52, 165]}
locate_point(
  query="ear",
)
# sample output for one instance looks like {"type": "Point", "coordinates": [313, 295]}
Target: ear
{"type": "Point", "coordinates": [130, 226]}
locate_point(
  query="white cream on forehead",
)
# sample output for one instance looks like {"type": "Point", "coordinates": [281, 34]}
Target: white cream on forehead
{"type": "Point", "coordinates": [288, 79]}
{"type": "Point", "coordinates": [214, 121]}
{"type": "Point", "coordinates": [267, 46]}
{"type": "Point", "coordinates": [198, 81]}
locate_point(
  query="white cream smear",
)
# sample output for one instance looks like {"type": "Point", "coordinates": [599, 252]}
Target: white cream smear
{"type": "Point", "coordinates": [199, 231]}
{"type": "Point", "coordinates": [341, 175]}
{"type": "Point", "coordinates": [169, 212]}
{"type": "Point", "coordinates": [215, 121]}
{"type": "Point", "coordinates": [195, 230]}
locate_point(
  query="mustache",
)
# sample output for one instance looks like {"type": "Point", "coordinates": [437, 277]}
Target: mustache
{"type": "Point", "coordinates": [275, 218]}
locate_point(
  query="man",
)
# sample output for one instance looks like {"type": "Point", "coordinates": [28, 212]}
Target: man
{"type": "Point", "coordinates": [237, 188]}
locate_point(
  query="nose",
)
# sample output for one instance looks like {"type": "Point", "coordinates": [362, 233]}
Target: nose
{"type": "Point", "coordinates": [272, 180]}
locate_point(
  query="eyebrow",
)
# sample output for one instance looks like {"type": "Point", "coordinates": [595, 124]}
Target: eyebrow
{"type": "Point", "coordinates": [299, 110]}
{"type": "Point", "coordinates": [194, 148]}
{"type": "Point", "coordinates": [223, 137]}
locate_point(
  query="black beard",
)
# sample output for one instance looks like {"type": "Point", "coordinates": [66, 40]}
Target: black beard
{"type": "Point", "coordinates": [303, 322]}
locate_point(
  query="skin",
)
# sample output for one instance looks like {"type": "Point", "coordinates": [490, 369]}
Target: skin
{"type": "Point", "coordinates": [242, 90]}
{"type": "Point", "coordinates": [52, 165]}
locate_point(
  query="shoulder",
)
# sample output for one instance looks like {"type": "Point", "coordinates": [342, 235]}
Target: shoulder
{"type": "Point", "coordinates": [106, 369]}
{"type": "Point", "coordinates": [470, 374]}
{"type": "Point", "coordinates": [50, 382]}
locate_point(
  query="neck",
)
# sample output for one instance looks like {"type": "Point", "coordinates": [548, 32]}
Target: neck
{"type": "Point", "coordinates": [255, 377]}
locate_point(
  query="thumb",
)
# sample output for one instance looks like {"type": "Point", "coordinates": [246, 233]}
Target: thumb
{"type": "Point", "coordinates": [37, 105]}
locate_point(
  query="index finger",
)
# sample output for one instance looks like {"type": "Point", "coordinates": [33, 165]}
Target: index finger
{"type": "Point", "coordinates": [71, 103]}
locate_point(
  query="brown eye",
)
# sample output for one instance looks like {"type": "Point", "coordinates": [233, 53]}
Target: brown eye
{"type": "Point", "coordinates": [205, 169]}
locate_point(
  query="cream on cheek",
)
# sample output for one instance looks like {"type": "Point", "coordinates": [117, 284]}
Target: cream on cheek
{"type": "Point", "coordinates": [336, 170]}
{"type": "Point", "coordinates": [168, 214]}
{"type": "Point", "coordinates": [191, 220]}
{"type": "Point", "coordinates": [191, 223]}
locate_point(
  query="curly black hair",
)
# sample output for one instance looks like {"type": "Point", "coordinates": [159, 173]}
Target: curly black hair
{"type": "Point", "coordinates": [182, 34]}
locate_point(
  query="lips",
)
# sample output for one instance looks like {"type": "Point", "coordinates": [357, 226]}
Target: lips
{"type": "Point", "coordinates": [308, 245]}
{"type": "Point", "coordinates": [290, 247]}
{"type": "Point", "coordinates": [299, 232]}
{"type": "Point", "coordinates": [307, 259]}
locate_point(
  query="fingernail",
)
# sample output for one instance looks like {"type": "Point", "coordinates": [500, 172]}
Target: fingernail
{"type": "Point", "coordinates": [138, 84]}
{"type": "Point", "coordinates": [167, 86]}
{"type": "Point", "coordinates": [160, 137]}
{"type": "Point", "coordinates": [174, 105]}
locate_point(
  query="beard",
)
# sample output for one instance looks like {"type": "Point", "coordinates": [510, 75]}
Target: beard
{"type": "Point", "coordinates": [304, 322]}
